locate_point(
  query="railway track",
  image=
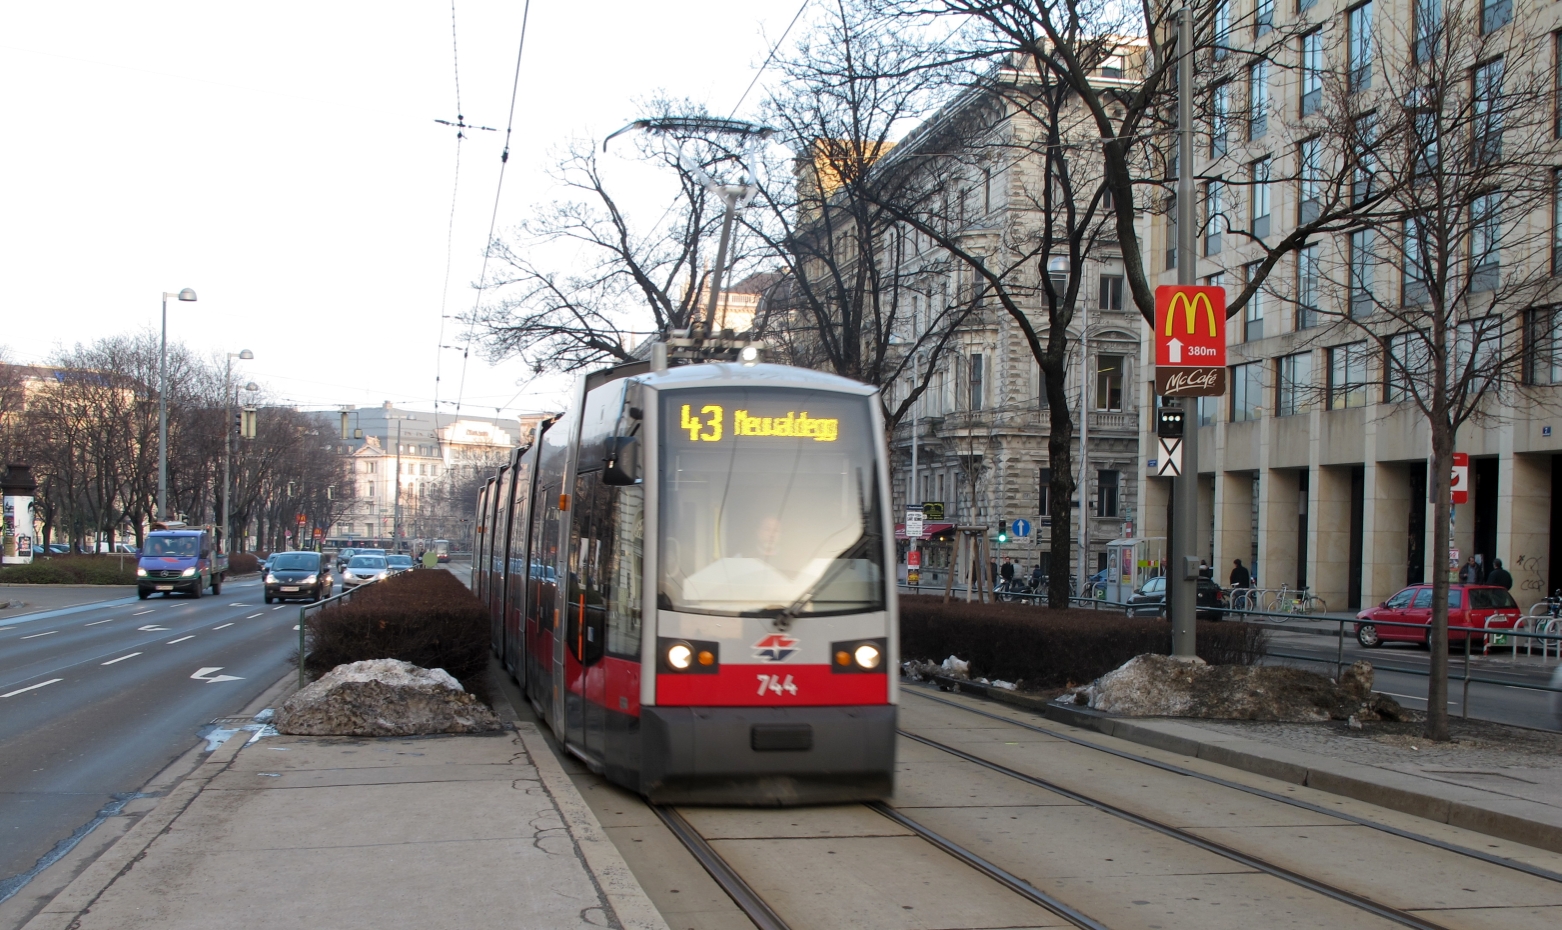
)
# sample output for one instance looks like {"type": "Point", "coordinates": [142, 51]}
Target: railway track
{"type": "Point", "coordinates": [770, 915]}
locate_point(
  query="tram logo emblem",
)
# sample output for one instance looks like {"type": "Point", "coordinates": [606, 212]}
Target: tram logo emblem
{"type": "Point", "coordinates": [775, 648]}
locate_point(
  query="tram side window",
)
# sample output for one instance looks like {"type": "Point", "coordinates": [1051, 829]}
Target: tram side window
{"type": "Point", "coordinates": [544, 556]}
{"type": "Point", "coordinates": [605, 556]}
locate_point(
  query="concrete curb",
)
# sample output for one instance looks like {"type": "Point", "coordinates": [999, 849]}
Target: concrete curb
{"type": "Point", "coordinates": [1505, 818]}
{"type": "Point", "coordinates": [619, 885]}
{"type": "Point", "coordinates": [116, 861]}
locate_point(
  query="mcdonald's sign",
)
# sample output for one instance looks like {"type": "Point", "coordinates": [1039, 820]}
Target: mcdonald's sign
{"type": "Point", "coordinates": [1190, 327]}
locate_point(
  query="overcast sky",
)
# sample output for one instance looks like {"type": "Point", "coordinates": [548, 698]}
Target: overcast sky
{"type": "Point", "coordinates": [281, 159]}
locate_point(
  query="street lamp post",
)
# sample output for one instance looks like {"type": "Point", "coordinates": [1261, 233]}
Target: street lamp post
{"type": "Point", "coordinates": [228, 391]}
{"type": "Point", "coordinates": [396, 512]}
{"type": "Point", "coordinates": [162, 407]}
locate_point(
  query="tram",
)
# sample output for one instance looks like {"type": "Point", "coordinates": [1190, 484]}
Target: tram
{"type": "Point", "coordinates": [688, 576]}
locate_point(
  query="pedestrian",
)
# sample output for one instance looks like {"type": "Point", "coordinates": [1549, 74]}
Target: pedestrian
{"type": "Point", "coordinates": [1470, 573]}
{"type": "Point", "coordinates": [1036, 578]}
{"type": "Point", "coordinates": [1239, 576]}
{"type": "Point", "coordinates": [1499, 575]}
{"type": "Point", "coordinates": [1007, 571]}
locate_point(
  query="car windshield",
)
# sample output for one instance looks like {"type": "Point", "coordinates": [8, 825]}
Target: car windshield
{"type": "Point", "coordinates": [295, 562]}
{"type": "Point", "coordinates": [1153, 586]}
{"type": "Point", "coordinates": [769, 503]}
{"type": "Point", "coordinates": [400, 560]}
{"type": "Point", "coordinates": [367, 562]}
{"type": "Point", "coordinates": [1490, 599]}
{"type": "Point", "coordinates": [184, 547]}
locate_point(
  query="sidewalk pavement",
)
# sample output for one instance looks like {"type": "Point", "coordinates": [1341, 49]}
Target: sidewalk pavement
{"type": "Point", "coordinates": [33, 598]}
{"type": "Point", "coordinates": [1522, 806]}
{"type": "Point", "coordinates": [465, 831]}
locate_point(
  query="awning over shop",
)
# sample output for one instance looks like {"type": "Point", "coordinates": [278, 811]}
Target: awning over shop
{"type": "Point", "coordinates": [929, 530]}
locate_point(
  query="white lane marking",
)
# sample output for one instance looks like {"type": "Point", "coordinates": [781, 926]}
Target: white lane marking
{"type": "Point", "coordinates": [151, 628]}
{"type": "Point", "coordinates": [179, 640]}
{"type": "Point", "coordinates": [201, 675]}
{"type": "Point", "coordinates": [140, 612]}
{"type": "Point", "coordinates": [122, 658]}
{"type": "Point", "coordinates": [1413, 697]}
{"type": "Point", "coordinates": [7, 627]}
{"type": "Point", "coordinates": [235, 604]}
{"type": "Point", "coordinates": [279, 608]}
{"type": "Point", "coordinates": [252, 616]}
{"type": "Point", "coordinates": [36, 635]}
{"type": "Point", "coordinates": [223, 627]}
{"type": "Point", "coordinates": [295, 626]}
{"type": "Point", "coordinates": [40, 684]}
{"type": "Point", "coordinates": [96, 622]}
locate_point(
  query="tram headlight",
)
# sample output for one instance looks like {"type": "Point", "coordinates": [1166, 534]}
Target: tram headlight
{"type": "Point", "coordinates": [858, 656]}
{"type": "Point", "coordinates": [680, 656]}
{"type": "Point", "coordinates": [688, 656]}
{"type": "Point", "coordinates": [867, 655]}
{"type": "Point", "coordinates": [749, 355]}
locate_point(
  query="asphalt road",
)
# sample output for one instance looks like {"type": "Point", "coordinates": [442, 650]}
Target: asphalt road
{"type": "Point", "coordinates": [1503, 703]}
{"type": "Point", "coordinates": [95, 700]}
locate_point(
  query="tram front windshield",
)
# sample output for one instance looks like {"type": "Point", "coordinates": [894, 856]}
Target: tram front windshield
{"type": "Point", "coordinates": [769, 503]}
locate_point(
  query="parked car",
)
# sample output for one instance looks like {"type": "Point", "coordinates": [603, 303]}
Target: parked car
{"type": "Point", "coordinates": [362, 569]}
{"type": "Point", "coordinates": [400, 563]}
{"type": "Point", "coordinates": [297, 575]}
{"type": "Point", "coordinates": [1150, 599]}
{"type": "Point", "coordinates": [1469, 605]}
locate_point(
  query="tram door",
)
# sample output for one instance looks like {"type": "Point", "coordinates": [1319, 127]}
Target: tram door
{"type": "Point", "coordinates": [590, 535]}
{"type": "Point", "coordinates": [517, 575]}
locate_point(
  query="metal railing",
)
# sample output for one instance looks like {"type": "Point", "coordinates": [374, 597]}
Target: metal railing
{"type": "Point", "coordinates": [303, 614]}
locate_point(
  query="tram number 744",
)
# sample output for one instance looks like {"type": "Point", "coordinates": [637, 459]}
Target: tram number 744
{"type": "Point", "coordinates": [775, 684]}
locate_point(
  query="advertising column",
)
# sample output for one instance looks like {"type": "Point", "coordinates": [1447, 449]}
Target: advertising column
{"type": "Point", "coordinates": [16, 504]}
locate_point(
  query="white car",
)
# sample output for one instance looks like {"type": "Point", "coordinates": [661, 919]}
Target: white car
{"type": "Point", "coordinates": [362, 569]}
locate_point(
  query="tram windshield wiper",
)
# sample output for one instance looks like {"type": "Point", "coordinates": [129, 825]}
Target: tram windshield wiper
{"type": "Point", "coordinates": [855, 552]}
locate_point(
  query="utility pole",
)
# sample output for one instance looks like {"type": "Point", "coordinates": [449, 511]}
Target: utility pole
{"type": "Point", "coordinates": [1084, 448]}
{"type": "Point", "coordinates": [1183, 573]}
{"type": "Point", "coordinates": [396, 512]}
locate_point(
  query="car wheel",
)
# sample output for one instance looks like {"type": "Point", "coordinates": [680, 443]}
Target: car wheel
{"type": "Point", "coordinates": [269, 599]}
{"type": "Point", "coordinates": [1367, 635]}
{"type": "Point", "coordinates": [216, 585]}
{"type": "Point", "coordinates": [195, 592]}
{"type": "Point", "coordinates": [143, 595]}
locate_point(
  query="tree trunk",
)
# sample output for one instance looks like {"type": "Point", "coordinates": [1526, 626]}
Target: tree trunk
{"type": "Point", "coordinates": [1060, 458]}
{"type": "Point", "coordinates": [1437, 637]}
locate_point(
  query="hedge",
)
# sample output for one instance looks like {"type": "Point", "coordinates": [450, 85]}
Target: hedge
{"type": "Point", "coordinates": [427, 618]}
{"type": "Point", "coordinates": [243, 563]}
{"type": "Point", "coordinates": [73, 569]}
{"type": "Point", "coordinates": [1042, 648]}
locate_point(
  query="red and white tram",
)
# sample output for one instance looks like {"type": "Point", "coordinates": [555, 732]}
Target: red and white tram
{"type": "Point", "coordinates": [688, 574]}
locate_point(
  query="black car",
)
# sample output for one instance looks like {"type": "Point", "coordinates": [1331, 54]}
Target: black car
{"type": "Point", "coordinates": [1150, 600]}
{"type": "Point", "coordinates": [301, 575]}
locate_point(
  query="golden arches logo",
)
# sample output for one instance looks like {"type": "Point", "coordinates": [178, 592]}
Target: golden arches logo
{"type": "Point", "coordinates": [1190, 308]}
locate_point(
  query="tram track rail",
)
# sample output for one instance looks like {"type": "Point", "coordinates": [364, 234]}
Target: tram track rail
{"type": "Point", "coordinates": [1481, 855]}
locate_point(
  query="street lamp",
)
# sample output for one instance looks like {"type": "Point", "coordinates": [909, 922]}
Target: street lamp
{"type": "Point", "coordinates": [227, 443]}
{"type": "Point", "coordinates": [396, 513]}
{"type": "Point", "coordinates": [162, 407]}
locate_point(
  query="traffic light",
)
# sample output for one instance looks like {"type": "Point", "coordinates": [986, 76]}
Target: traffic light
{"type": "Point", "coordinates": [1003, 531]}
{"type": "Point", "coordinates": [238, 423]}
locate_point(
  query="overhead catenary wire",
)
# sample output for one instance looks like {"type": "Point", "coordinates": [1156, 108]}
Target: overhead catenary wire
{"type": "Point", "coordinates": [493, 219]}
{"type": "Point", "coordinates": [455, 188]}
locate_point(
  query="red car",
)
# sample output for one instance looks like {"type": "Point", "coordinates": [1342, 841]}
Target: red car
{"type": "Point", "coordinates": [1469, 605]}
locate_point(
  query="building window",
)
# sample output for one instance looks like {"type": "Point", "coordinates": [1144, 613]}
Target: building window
{"type": "Point", "coordinates": [1207, 407]}
{"type": "Point", "coordinates": [1556, 221]}
{"type": "Point", "coordinates": [1542, 348]}
{"type": "Point", "coordinates": [1259, 173]}
{"type": "Point", "coordinates": [1556, 85]}
{"type": "Point", "coordinates": [1348, 376]}
{"type": "Point", "coordinates": [1309, 159]}
{"type": "Point", "coordinates": [1303, 6]}
{"type": "Point", "coordinates": [1294, 381]}
{"type": "Point", "coordinates": [1485, 241]}
{"type": "Point", "coordinates": [1361, 267]}
{"type": "Point", "coordinates": [1415, 278]}
{"type": "Point", "coordinates": [1358, 26]}
{"type": "Point", "coordinates": [1258, 100]}
{"type": "Point", "coordinates": [1312, 72]}
{"type": "Point", "coordinates": [1247, 391]}
{"type": "Point", "coordinates": [1477, 349]}
{"type": "Point", "coordinates": [1111, 292]}
{"type": "Point", "coordinates": [1263, 16]}
{"type": "Point", "coordinates": [1219, 118]}
{"type": "Point", "coordinates": [1045, 497]}
{"type": "Point", "coordinates": [1222, 28]}
{"type": "Point", "coordinates": [1253, 313]}
{"type": "Point", "coordinates": [1112, 66]}
{"type": "Point", "coordinates": [1486, 101]}
{"type": "Point", "coordinates": [977, 392]}
{"type": "Point", "coordinates": [1429, 29]}
{"type": "Point", "coordinates": [1427, 140]}
{"type": "Point", "coordinates": [1495, 14]}
{"type": "Point", "coordinates": [1106, 493]}
{"type": "Point", "coordinates": [1307, 287]}
{"type": "Point", "coordinates": [1214, 218]}
{"type": "Point", "coordinates": [1405, 360]}
{"type": "Point", "coordinates": [1365, 130]}
{"type": "Point", "coordinates": [987, 190]}
{"type": "Point", "coordinates": [1109, 382]}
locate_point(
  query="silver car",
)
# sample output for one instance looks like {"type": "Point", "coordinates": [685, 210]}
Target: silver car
{"type": "Point", "coordinates": [362, 569]}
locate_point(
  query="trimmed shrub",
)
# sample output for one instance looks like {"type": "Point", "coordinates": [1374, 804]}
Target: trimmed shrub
{"type": "Point", "coordinates": [243, 563]}
{"type": "Point", "coordinates": [428, 618]}
{"type": "Point", "coordinates": [1044, 648]}
{"type": "Point", "coordinates": [73, 569]}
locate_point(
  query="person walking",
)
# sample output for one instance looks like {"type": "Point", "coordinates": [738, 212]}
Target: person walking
{"type": "Point", "coordinates": [1007, 572]}
{"type": "Point", "coordinates": [1239, 575]}
{"type": "Point", "coordinates": [1470, 573]}
{"type": "Point", "coordinates": [1499, 575]}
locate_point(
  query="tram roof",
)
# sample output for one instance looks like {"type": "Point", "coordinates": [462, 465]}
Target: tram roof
{"type": "Point", "coordinates": [734, 373]}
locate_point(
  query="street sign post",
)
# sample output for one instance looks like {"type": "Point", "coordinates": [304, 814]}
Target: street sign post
{"type": "Point", "coordinates": [914, 525]}
{"type": "Point", "coordinates": [1459, 481]}
{"type": "Point", "coordinates": [1190, 341]}
{"type": "Point", "coordinates": [1022, 528]}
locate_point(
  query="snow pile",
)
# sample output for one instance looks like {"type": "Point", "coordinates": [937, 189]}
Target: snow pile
{"type": "Point", "coordinates": [1160, 686]}
{"type": "Point", "coordinates": [384, 697]}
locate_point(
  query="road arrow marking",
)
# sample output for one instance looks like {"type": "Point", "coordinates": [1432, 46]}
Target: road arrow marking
{"type": "Point", "coordinates": [122, 658]}
{"type": "Point", "coordinates": [179, 640]}
{"type": "Point", "coordinates": [1174, 351]}
{"type": "Point", "coordinates": [40, 684]}
{"type": "Point", "coordinates": [152, 628]}
{"type": "Point", "coordinates": [202, 675]}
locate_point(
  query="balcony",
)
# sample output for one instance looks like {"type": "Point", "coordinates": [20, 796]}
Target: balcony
{"type": "Point", "coordinates": [1113, 420]}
